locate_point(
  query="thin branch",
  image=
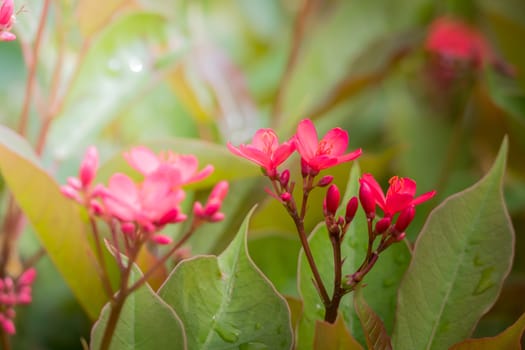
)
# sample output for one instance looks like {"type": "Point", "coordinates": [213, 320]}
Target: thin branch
{"type": "Point", "coordinates": [32, 64]}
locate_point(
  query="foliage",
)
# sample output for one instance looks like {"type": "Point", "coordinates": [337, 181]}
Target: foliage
{"type": "Point", "coordinates": [199, 77]}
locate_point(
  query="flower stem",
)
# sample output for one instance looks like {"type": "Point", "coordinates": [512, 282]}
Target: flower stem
{"type": "Point", "coordinates": [32, 63]}
{"type": "Point", "coordinates": [6, 343]}
{"type": "Point", "coordinates": [164, 258]}
{"type": "Point", "coordinates": [117, 303]}
{"type": "Point", "coordinates": [332, 308]}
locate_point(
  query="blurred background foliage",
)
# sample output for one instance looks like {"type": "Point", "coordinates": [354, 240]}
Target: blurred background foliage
{"type": "Point", "coordinates": [164, 73]}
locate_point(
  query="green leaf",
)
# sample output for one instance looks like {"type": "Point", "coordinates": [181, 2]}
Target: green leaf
{"type": "Point", "coordinates": [376, 335]}
{"type": "Point", "coordinates": [115, 73]}
{"type": "Point", "coordinates": [281, 265]}
{"type": "Point", "coordinates": [334, 336]}
{"type": "Point", "coordinates": [381, 282]}
{"type": "Point", "coordinates": [56, 220]}
{"type": "Point", "coordinates": [227, 303]}
{"type": "Point", "coordinates": [508, 339]}
{"type": "Point", "coordinates": [146, 322]}
{"type": "Point", "coordinates": [461, 258]}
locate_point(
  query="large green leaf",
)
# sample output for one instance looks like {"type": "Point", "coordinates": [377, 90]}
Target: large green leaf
{"type": "Point", "coordinates": [281, 265]}
{"type": "Point", "coordinates": [225, 302]}
{"type": "Point", "coordinates": [461, 258]}
{"type": "Point", "coordinates": [380, 284]}
{"type": "Point", "coordinates": [146, 322]}
{"type": "Point", "coordinates": [56, 220]}
{"type": "Point", "coordinates": [509, 339]}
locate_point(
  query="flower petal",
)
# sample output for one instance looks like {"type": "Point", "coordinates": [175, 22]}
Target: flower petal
{"type": "Point", "coordinates": [306, 139]}
{"type": "Point", "coordinates": [142, 159]}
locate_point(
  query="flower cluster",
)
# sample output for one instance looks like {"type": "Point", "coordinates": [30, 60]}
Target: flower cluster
{"type": "Point", "coordinates": [316, 154]}
{"type": "Point", "coordinates": [399, 199]}
{"type": "Point", "coordinates": [398, 205]}
{"type": "Point", "coordinates": [148, 206]}
{"type": "Point", "coordinates": [7, 19]}
{"type": "Point", "coordinates": [13, 293]}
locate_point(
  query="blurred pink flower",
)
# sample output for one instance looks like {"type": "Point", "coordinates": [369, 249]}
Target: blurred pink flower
{"type": "Point", "coordinates": [7, 19]}
{"type": "Point", "coordinates": [146, 162]}
{"type": "Point", "coordinates": [13, 293]}
{"type": "Point", "coordinates": [328, 152]}
{"type": "Point", "coordinates": [211, 210]}
{"type": "Point", "coordinates": [80, 188]}
{"type": "Point", "coordinates": [265, 151]}
{"type": "Point", "coordinates": [454, 39]}
{"type": "Point", "coordinates": [400, 195]}
{"type": "Point", "coordinates": [152, 204]}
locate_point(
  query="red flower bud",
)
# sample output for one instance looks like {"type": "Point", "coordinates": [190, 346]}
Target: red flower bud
{"type": "Point", "coordinates": [383, 224]}
{"type": "Point", "coordinates": [351, 209]}
{"type": "Point", "coordinates": [333, 198]}
{"type": "Point", "coordinates": [325, 181]}
{"type": "Point", "coordinates": [367, 200]}
{"type": "Point", "coordinates": [405, 218]}
{"type": "Point", "coordinates": [285, 197]}
{"type": "Point", "coordinates": [285, 178]}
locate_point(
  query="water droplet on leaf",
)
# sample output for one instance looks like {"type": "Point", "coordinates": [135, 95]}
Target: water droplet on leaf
{"type": "Point", "coordinates": [486, 281]}
{"type": "Point", "coordinates": [478, 261]}
{"type": "Point", "coordinates": [228, 333]}
{"type": "Point", "coordinates": [135, 65]}
{"type": "Point", "coordinates": [388, 282]}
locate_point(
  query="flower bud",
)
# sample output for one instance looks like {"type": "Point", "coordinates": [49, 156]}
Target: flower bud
{"type": "Point", "coordinates": [285, 178]}
{"type": "Point", "coordinates": [325, 181]}
{"type": "Point", "coordinates": [285, 197]}
{"type": "Point", "coordinates": [332, 199]}
{"type": "Point", "coordinates": [351, 209]}
{"type": "Point", "coordinates": [405, 218]}
{"type": "Point", "coordinates": [383, 225]}
{"type": "Point", "coordinates": [27, 277]}
{"type": "Point", "coordinates": [89, 166]}
{"type": "Point", "coordinates": [367, 200]}
{"type": "Point", "coordinates": [161, 239]}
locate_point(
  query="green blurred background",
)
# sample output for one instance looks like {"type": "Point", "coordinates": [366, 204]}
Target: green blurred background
{"type": "Point", "coordinates": [151, 71]}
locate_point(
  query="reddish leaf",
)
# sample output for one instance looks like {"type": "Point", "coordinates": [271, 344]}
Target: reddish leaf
{"type": "Point", "coordinates": [509, 339]}
{"type": "Point", "coordinates": [334, 336]}
{"type": "Point", "coordinates": [375, 333]}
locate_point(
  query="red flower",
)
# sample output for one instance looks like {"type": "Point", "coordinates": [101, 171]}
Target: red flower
{"type": "Point", "coordinates": [400, 194]}
{"type": "Point", "coordinates": [453, 39]}
{"type": "Point", "coordinates": [7, 19]}
{"type": "Point", "coordinates": [265, 151]}
{"type": "Point", "coordinates": [327, 152]}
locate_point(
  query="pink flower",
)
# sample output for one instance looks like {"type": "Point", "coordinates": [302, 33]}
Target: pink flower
{"type": "Point", "coordinates": [152, 204]}
{"type": "Point", "coordinates": [13, 293]}
{"type": "Point", "coordinates": [265, 151]}
{"type": "Point", "coordinates": [211, 210]}
{"type": "Point", "coordinates": [456, 40]}
{"type": "Point", "coordinates": [146, 162]}
{"type": "Point", "coordinates": [7, 20]}
{"type": "Point", "coordinates": [89, 166]}
{"type": "Point", "coordinates": [329, 151]}
{"type": "Point", "coordinates": [400, 194]}
{"type": "Point", "coordinates": [79, 188]}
